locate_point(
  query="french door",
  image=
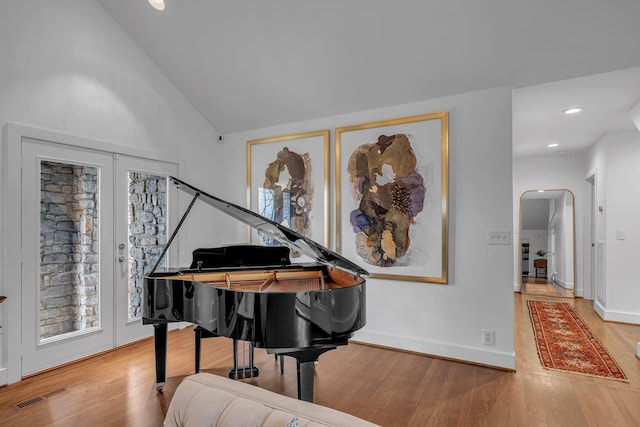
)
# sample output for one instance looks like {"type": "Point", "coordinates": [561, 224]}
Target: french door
{"type": "Point", "coordinates": [93, 223]}
{"type": "Point", "coordinates": [67, 272]}
{"type": "Point", "coordinates": [144, 208]}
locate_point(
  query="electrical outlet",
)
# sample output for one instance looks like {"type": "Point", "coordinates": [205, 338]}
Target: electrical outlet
{"type": "Point", "coordinates": [488, 337]}
{"type": "Point", "coordinates": [499, 237]}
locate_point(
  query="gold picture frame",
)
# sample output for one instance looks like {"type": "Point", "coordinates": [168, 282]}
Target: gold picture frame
{"type": "Point", "coordinates": [302, 160]}
{"type": "Point", "coordinates": [392, 197]}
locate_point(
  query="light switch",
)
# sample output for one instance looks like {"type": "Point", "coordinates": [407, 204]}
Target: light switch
{"type": "Point", "coordinates": [499, 237]}
{"type": "Point", "coordinates": [620, 234]}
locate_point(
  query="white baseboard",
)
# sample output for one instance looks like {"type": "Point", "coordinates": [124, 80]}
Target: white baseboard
{"type": "Point", "coordinates": [616, 316]}
{"type": "Point", "coordinates": [4, 376]}
{"type": "Point", "coordinates": [622, 317]}
{"type": "Point", "coordinates": [597, 306]}
{"type": "Point", "coordinates": [566, 285]}
{"type": "Point", "coordinates": [488, 356]}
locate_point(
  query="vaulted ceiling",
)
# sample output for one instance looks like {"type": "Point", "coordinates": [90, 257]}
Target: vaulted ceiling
{"type": "Point", "coordinates": [247, 64]}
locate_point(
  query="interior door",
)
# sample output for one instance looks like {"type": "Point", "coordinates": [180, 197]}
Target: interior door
{"type": "Point", "coordinates": [67, 254]}
{"type": "Point", "coordinates": [145, 207]}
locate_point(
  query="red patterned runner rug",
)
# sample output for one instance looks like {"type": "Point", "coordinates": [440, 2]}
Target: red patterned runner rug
{"type": "Point", "coordinates": [566, 343]}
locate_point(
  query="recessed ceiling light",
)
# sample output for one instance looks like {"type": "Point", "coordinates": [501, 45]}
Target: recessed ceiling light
{"type": "Point", "coordinates": [157, 4]}
{"type": "Point", "coordinates": [573, 110]}
{"type": "Point", "coordinates": [552, 145]}
{"type": "Point", "coordinates": [540, 191]}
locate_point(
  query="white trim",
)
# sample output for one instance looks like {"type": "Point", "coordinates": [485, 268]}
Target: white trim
{"type": "Point", "coordinates": [616, 316]}
{"type": "Point", "coordinates": [597, 306]}
{"type": "Point", "coordinates": [483, 355]}
{"type": "Point", "coordinates": [565, 285]}
{"type": "Point", "coordinates": [89, 143]}
{"type": "Point", "coordinates": [590, 235]}
{"type": "Point", "coordinates": [10, 218]}
{"type": "Point", "coordinates": [622, 317]}
{"type": "Point", "coordinates": [12, 274]}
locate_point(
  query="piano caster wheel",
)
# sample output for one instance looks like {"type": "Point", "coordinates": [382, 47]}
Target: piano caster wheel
{"type": "Point", "coordinates": [159, 387]}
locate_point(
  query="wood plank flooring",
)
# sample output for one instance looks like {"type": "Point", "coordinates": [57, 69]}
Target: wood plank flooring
{"type": "Point", "coordinates": [533, 286]}
{"type": "Point", "coordinates": [390, 388]}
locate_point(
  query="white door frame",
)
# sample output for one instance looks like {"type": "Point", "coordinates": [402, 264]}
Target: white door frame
{"type": "Point", "coordinates": [552, 246]}
{"type": "Point", "coordinates": [590, 236]}
{"type": "Point", "coordinates": [10, 218]}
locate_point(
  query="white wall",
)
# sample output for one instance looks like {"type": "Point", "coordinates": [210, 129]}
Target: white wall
{"type": "Point", "coordinates": [68, 67]}
{"type": "Point", "coordinates": [616, 158]}
{"type": "Point", "coordinates": [553, 172]}
{"type": "Point", "coordinates": [444, 320]}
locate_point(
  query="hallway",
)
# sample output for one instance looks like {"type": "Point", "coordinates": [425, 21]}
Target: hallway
{"type": "Point", "coordinates": [543, 287]}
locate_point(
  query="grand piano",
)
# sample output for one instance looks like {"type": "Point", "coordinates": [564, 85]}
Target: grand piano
{"type": "Point", "coordinates": [254, 293]}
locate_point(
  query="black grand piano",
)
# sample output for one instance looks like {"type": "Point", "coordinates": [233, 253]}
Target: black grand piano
{"type": "Point", "coordinates": [256, 294]}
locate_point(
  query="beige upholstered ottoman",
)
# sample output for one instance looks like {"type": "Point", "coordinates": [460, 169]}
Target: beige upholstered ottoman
{"type": "Point", "coordinates": [203, 400]}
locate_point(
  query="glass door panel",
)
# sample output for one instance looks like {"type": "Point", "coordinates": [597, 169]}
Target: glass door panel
{"type": "Point", "coordinates": [145, 207]}
{"type": "Point", "coordinates": [147, 228]}
{"type": "Point", "coordinates": [69, 249]}
{"type": "Point", "coordinates": [67, 274]}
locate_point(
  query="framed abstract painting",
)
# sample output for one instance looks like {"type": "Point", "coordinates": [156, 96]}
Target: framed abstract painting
{"type": "Point", "coordinates": [392, 197]}
{"type": "Point", "coordinates": [288, 182]}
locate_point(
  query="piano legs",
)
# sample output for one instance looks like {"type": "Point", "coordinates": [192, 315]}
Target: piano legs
{"type": "Point", "coordinates": [306, 366]}
{"type": "Point", "coordinates": [306, 380]}
{"type": "Point", "coordinates": [160, 343]}
{"type": "Point", "coordinates": [199, 334]}
{"type": "Point", "coordinates": [198, 342]}
{"type": "Point", "coordinates": [306, 362]}
{"type": "Point", "coordinates": [279, 356]}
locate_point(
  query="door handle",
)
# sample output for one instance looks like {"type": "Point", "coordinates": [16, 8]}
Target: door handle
{"type": "Point", "coordinates": [122, 258]}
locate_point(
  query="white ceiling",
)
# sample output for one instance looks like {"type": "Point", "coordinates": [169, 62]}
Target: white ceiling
{"type": "Point", "coordinates": [247, 64]}
{"type": "Point", "coordinates": [539, 118]}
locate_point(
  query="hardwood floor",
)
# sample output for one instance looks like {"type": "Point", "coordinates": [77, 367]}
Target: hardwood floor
{"type": "Point", "coordinates": [543, 287]}
{"type": "Point", "coordinates": [387, 387]}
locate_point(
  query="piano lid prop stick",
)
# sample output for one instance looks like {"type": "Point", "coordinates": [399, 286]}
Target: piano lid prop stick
{"type": "Point", "coordinates": [173, 235]}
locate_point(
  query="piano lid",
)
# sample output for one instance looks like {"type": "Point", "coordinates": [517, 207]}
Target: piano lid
{"type": "Point", "coordinates": [284, 235]}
